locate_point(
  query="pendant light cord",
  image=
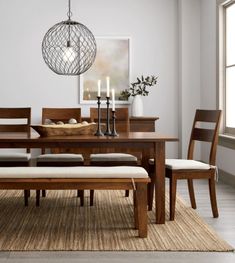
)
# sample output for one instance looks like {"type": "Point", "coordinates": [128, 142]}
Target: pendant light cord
{"type": "Point", "coordinates": [69, 14]}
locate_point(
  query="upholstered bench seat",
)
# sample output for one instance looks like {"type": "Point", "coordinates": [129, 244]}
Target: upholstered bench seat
{"type": "Point", "coordinates": [15, 157]}
{"type": "Point", "coordinates": [112, 157]}
{"type": "Point", "coordinates": [73, 172]}
{"type": "Point", "coordinates": [81, 178]}
{"type": "Point", "coordinates": [60, 157]}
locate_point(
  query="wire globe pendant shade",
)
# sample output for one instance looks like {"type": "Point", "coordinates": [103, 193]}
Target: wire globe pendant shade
{"type": "Point", "coordinates": [69, 47]}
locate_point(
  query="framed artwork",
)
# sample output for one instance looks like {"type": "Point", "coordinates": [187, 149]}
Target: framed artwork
{"type": "Point", "coordinates": [113, 61]}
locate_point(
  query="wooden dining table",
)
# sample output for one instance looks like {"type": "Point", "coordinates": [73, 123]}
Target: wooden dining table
{"type": "Point", "coordinates": [146, 142]}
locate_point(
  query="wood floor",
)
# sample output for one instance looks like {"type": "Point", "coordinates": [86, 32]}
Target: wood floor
{"type": "Point", "coordinates": [224, 225]}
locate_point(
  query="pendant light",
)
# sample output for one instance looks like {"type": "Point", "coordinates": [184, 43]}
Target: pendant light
{"type": "Point", "coordinates": [69, 47]}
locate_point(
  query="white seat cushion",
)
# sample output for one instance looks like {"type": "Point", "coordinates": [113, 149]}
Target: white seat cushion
{"type": "Point", "coordinates": [60, 157]}
{"type": "Point", "coordinates": [15, 157]}
{"type": "Point", "coordinates": [182, 164]}
{"type": "Point", "coordinates": [74, 172]}
{"type": "Point", "coordinates": [112, 157]}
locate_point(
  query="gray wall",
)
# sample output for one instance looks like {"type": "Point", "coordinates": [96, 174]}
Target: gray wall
{"type": "Point", "coordinates": [189, 70]}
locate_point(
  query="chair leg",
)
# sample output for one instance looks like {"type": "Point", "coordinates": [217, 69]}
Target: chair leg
{"type": "Point", "coordinates": [213, 197]}
{"type": "Point", "coordinates": [92, 193]}
{"type": "Point", "coordinates": [191, 193]}
{"type": "Point", "coordinates": [80, 194]}
{"type": "Point", "coordinates": [127, 193]}
{"type": "Point", "coordinates": [82, 200]}
{"type": "Point", "coordinates": [43, 193]}
{"type": "Point", "coordinates": [150, 195]}
{"type": "Point", "coordinates": [173, 185]}
{"type": "Point", "coordinates": [37, 197]}
{"type": "Point", "coordinates": [26, 197]}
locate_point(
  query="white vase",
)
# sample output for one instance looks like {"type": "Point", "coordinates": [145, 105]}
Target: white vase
{"type": "Point", "coordinates": [137, 106]}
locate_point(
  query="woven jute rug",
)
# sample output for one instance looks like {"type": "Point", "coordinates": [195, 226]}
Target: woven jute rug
{"type": "Point", "coordinates": [61, 224]}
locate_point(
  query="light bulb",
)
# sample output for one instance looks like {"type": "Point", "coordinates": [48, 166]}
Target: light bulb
{"type": "Point", "coordinates": [69, 54]}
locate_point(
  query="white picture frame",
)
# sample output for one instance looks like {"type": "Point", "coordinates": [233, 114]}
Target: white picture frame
{"type": "Point", "coordinates": [113, 60]}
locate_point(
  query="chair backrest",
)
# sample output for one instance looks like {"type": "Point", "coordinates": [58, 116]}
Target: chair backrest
{"type": "Point", "coordinates": [16, 115]}
{"type": "Point", "coordinates": [122, 118]}
{"type": "Point", "coordinates": [61, 114]}
{"type": "Point", "coordinates": [205, 134]}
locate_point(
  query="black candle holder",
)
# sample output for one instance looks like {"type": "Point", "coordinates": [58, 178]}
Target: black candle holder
{"type": "Point", "coordinates": [114, 132]}
{"type": "Point", "coordinates": [107, 132]}
{"type": "Point", "coordinates": [99, 132]}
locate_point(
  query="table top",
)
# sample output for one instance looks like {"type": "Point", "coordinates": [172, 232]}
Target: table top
{"type": "Point", "coordinates": [122, 137]}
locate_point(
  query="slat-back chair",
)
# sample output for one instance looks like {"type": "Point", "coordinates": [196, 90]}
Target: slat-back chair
{"type": "Point", "coordinates": [190, 169]}
{"type": "Point", "coordinates": [60, 157]}
{"type": "Point", "coordinates": [16, 120]}
{"type": "Point", "coordinates": [109, 157]}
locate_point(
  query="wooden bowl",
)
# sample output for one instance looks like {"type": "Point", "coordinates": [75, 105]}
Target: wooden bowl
{"type": "Point", "coordinates": [65, 129]}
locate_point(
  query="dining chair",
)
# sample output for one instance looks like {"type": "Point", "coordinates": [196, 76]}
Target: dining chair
{"type": "Point", "coordinates": [60, 157]}
{"type": "Point", "coordinates": [16, 120]}
{"type": "Point", "coordinates": [109, 157]}
{"type": "Point", "coordinates": [190, 169]}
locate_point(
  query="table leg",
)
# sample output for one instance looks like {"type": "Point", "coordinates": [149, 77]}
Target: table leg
{"type": "Point", "coordinates": [159, 157]}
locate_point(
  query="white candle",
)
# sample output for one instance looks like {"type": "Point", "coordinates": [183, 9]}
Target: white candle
{"type": "Point", "coordinates": [113, 100]}
{"type": "Point", "coordinates": [99, 85]}
{"type": "Point", "coordinates": [108, 83]}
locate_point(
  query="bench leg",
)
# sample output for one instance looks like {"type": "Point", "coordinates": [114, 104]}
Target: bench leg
{"type": "Point", "coordinates": [127, 193]}
{"type": "Point", "coordinates": [135, 210]}
{"type": "Point", "coordinates": [37, 197]}
{"type": "Point", "coordinates": [141, 206]}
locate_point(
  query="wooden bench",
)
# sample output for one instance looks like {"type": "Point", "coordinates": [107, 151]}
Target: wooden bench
{"type": "Point", "coordinates": [81, 178]}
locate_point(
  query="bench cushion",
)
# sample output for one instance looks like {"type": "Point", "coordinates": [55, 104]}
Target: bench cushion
{"type": "Point", "coordinates": [15, 157]}
{"type": "Point", "coordinates": [184, 164]}
{"type": "Point", "coordinates": [73, 172]}
{"type": "Point", "coordinates": [113, 157]}
{"type": "Point", "coordinates": [60, 157]}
